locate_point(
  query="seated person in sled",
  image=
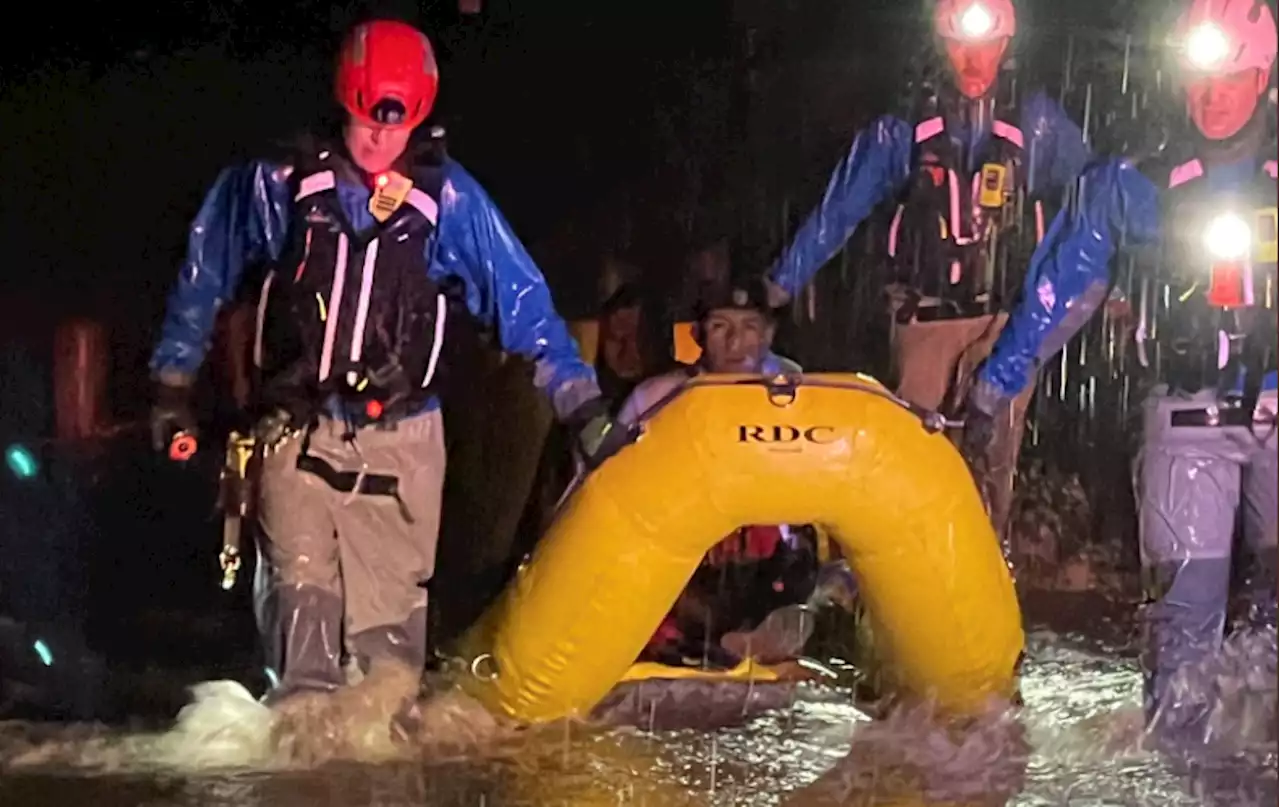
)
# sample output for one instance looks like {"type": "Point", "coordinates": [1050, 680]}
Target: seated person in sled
{"type": "Point", "coordinates": [746, 598]}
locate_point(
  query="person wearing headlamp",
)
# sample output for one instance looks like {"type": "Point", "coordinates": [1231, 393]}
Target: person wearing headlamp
{"type": "Point", "coordinates": [1204, 213]}
{"type": "Point", "coordinates": [952, 178]}
{"type": "Point", "coordinates": [374, 245]}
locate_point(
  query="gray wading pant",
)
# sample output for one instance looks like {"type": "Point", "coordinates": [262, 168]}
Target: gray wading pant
{"type": "Point", "coordinates": [1192, 482]}
{"type": "Point", "coordinates": [343, 570]}
{"type": "Point", "coordinates": [934, 363]}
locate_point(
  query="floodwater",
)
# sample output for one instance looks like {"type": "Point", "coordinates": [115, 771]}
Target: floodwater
{"type": "Point", "coordinates": [1077, 741]}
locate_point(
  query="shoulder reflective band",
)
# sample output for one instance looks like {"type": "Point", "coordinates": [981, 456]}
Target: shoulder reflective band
{"type": "Point", "coordinates": [1007, 131]}
{"type": "Point", "coordinates": [315, 183]}
{"type": "Point", "coordinates": [1185, 173]}
{"type": "Point", "coordinates": [928, 129]}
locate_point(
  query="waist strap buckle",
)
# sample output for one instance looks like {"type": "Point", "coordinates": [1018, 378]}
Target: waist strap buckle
{"type": "Point", "coordinates": [1211, 417]}
{"type": "Point", "coordinates": [933, 309]}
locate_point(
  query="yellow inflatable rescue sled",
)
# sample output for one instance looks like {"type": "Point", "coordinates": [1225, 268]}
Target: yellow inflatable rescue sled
{"type": "Point", "coordinates": [724, 451]}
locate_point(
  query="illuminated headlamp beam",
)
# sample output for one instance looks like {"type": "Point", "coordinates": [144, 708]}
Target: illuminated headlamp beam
{"type": "Point", "coordinates": [1228, 237]}
{"type": "Point", "coordinates": [976, 21]}
{"type": "Point", "coordinates": [1207, 46]}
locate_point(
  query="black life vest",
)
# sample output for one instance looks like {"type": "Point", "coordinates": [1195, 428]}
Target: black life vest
{"type": "Point", "coordinates": [954, 228]}
{"type": "Point", "coordinates": [348, 313]}
{"type": "Point", "coordinates": [1207, 321]}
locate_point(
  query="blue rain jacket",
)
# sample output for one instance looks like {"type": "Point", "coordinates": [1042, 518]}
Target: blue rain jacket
{"type": "Point", "coordinates": [1070, 272]}
{"type": "Point", "coordinates": [878, 166]}
{"type": "Point", "coordinates": [245, 220]}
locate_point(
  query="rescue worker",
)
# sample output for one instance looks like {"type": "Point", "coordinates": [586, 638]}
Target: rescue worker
{"type": "Point", "coordinates": [1206, 337]}
{"type": "Point", "coordinates": [956, 174]}
{"type": "Point", "coordinates": [758, 569]}
{"type": "Point", "coordinates": [368, 238]}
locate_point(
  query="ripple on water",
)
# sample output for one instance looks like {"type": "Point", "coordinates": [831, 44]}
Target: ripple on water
{"type": "Point", "coordinates": [1077, 741]}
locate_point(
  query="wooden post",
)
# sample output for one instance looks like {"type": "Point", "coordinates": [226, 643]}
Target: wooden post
{"type": "Point", "coordinates": [80, 360]}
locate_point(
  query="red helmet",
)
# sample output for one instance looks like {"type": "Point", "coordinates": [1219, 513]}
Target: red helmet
{"type": "Point", "coordinates": [1227, 36]}
{"type": "Point", "coordinates": [974, 21]}
{"type": "Point", "coordinates": [387, 74]}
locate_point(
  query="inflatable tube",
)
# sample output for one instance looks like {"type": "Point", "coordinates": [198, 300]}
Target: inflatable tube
{"type": "Point", "coordinates": [726, 451]}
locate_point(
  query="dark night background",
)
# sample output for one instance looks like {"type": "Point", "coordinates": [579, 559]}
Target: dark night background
{"type": "Point", "coordinates": [641, 132]}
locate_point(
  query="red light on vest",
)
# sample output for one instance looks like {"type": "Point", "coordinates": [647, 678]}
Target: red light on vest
{"type": "Point", "coordinates": [373, 409]}
{"type": "Point", "coordinates": [381, 180]}
{"type": "Point", "coordinates": [182, 447]}
{"type": "Point", "coordinates": [1226, 284]}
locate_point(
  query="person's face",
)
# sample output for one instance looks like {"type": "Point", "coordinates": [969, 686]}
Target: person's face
{"type": "Point", "coordinates": [735, 341]}
{"type": "Point", "coordinates": [621, 343]}
{"type": "Point", "coordinates": [1220, 106]}
{"type": "Point", "coordinates": [974, 65]}
{"type": "Point", "coordinates": [375, 148]}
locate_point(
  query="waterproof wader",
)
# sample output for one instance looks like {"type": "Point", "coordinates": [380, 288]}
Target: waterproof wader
{"type": "Point", "coordinates": [1209, 455]}
{"type": "Point", "coordinates": [934, 363]}
{"type": "Point", "coordinates": [347, 569]}
{"type": "Point", "coordinates": [1198, 470]}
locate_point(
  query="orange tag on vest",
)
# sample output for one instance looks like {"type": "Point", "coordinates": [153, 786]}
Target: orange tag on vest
{"type": "Point", "coordinates": [389, 192]}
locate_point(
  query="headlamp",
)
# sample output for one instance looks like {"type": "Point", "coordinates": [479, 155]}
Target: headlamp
{"type": "Point", "coordinates": [1228, 237]}
{"type": "Point", "coordinates": [1207, 46]}
{"type": "Point", "coordinates": [976, 21]}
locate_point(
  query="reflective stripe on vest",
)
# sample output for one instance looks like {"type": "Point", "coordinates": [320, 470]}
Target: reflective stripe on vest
{"type": "Point", "coordinates": [442, 309]}
{"type": "Point", "coordinates": [424, 204]}
{"type": "Point", "coordinates": [931, 128]}
{"type": "Point", "coordinates": [335, 304]}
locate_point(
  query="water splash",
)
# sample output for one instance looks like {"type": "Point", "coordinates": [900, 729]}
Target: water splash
{"type": "Point", "coordinates": [225, 728]}
{"type": "Point", "coordinates": [1235, 693]}
{"type": "Point", "coordinates": [1078, 740]}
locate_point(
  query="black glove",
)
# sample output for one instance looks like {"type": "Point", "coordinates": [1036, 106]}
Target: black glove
{"type": "Point", "coordinates": [596, 435]}
{"type": "Point", "coordinates": [171, 413]}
